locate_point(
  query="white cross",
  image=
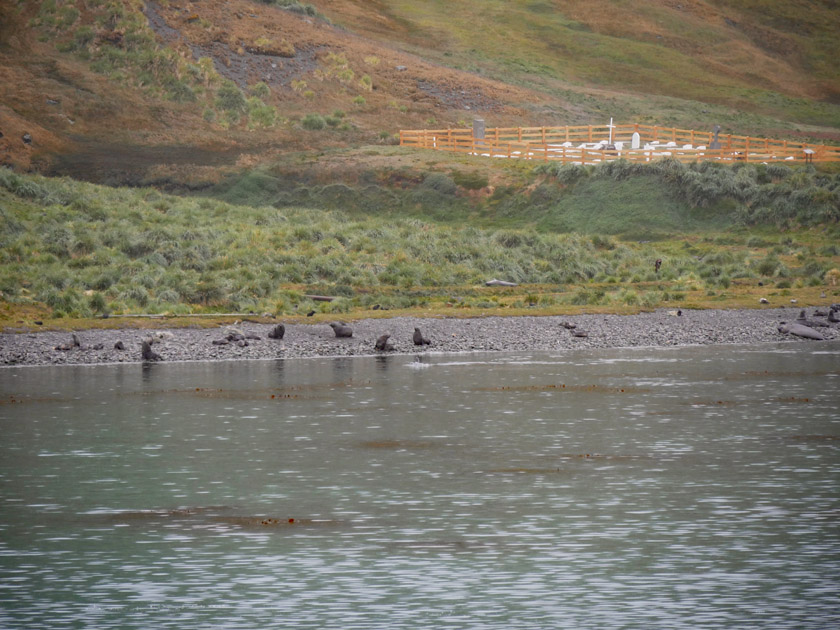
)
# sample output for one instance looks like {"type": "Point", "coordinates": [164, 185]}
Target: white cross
{"type": "Point", "coordinates": [611, 127]}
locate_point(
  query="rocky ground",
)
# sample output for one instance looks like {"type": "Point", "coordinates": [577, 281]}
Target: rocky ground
{"type": "Point", "coordinates": [250, 340]}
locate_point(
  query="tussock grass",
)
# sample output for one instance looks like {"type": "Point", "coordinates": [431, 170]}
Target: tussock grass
{"type": "Point", "coordinates": [668, 195]}
{"type": "Point", "coordinates": [81, 250]}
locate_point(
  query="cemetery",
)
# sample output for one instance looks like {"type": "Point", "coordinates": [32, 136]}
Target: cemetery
{"type": "Point", "coordinates": [592, 144]}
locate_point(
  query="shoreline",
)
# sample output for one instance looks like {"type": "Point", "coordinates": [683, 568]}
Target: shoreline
{"type": "Point", "coordinates": [661, 328]}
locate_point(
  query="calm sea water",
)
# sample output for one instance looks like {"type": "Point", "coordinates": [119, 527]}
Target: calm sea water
{"type": "Point", "coordinates": [641, 488]}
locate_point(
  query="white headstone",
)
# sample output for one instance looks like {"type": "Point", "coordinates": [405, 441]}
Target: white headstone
{"type": "Point", "coordinates": [636, 142]}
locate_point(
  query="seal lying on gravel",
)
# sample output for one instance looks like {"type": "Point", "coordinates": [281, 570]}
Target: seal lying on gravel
{"type": "Point", "coordinates": [800, 331]}
{"type": "Point", "coordinates": [277, 332]}
{"type": "Point", "coordinates": [341, 330]}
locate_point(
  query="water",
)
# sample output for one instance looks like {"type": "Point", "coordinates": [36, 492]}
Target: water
{"type": "Point", "coordinates": [634, 488]}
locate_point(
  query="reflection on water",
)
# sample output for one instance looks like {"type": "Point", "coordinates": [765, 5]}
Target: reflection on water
{"type": "Point", "coordinates": [667, 488]}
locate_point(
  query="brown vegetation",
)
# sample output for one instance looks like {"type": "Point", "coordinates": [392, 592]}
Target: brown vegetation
{"type": "Point", "coordinates": [380, 66]}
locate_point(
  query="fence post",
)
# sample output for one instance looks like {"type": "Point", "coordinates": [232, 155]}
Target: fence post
{"type": "Point", "coordinates": [590, 134]}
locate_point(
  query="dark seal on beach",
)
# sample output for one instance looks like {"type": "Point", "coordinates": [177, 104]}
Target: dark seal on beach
{"type": "Point", "coordinates": [74, 343]}
{"type": "Point", "coordinates": [148, 353]}
{"type": "Point", "coordinates": [277, 332]}
{"type": "Point", "coordinates": [419, 339]}
{"type": "Point", "coordinates": [341, 330]}
{"type": "Point", "coordinates": [811, 323]}
{"type": "Point", "coordinates": [383, 344]}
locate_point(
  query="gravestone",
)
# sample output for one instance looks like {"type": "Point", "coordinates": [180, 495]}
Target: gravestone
{"type": "Point", "coordinates": [715, 142]}
{"type": "Point", "coordinates": [636, 141]}
{"type": "Point", "coordinates": [478, 129]}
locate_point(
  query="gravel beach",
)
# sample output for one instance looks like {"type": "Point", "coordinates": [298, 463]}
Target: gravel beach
{"type": "Point", "coordinates": [510, 334]}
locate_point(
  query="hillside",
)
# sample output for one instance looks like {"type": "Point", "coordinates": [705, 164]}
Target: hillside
{"type": "Point", "coordinates": [248, 154]}
{"type": "Point", "coordinates": [137, 92]}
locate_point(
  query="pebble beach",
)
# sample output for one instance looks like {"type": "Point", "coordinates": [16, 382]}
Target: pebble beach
{"type": "Point", "coordinates": [249, 340]}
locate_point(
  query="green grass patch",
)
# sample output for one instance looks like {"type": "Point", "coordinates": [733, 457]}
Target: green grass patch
{"type": "Point", "coordinates": [79, 250]}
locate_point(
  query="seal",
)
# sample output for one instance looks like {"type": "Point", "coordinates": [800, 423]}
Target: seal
{"type": "Point", "coordinates": [810, 323]}
{"type": "Point", "coordinates": [341, 329]}
{"type": "Point", "coordinates": [383, 344]}
{"type": "Point", "coordinates": [277, 332]}
{"type": "Point", "coordinates": [419, 339]}
{"type": "Point", "coordinates": [800, 331]}
{"type": "Point", "coordinates": [148, 353]}
{"type": "Point", "coordinates": [75, 343]}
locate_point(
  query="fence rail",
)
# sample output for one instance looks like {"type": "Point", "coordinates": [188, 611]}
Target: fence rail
{"type": "Point", "coordinates": [590, 144]}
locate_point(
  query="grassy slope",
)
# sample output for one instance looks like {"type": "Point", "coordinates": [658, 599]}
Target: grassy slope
{"type": "Point", "coordinates": [768, 58]}
{"type": "Point", "coordinates": [77, 250]}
